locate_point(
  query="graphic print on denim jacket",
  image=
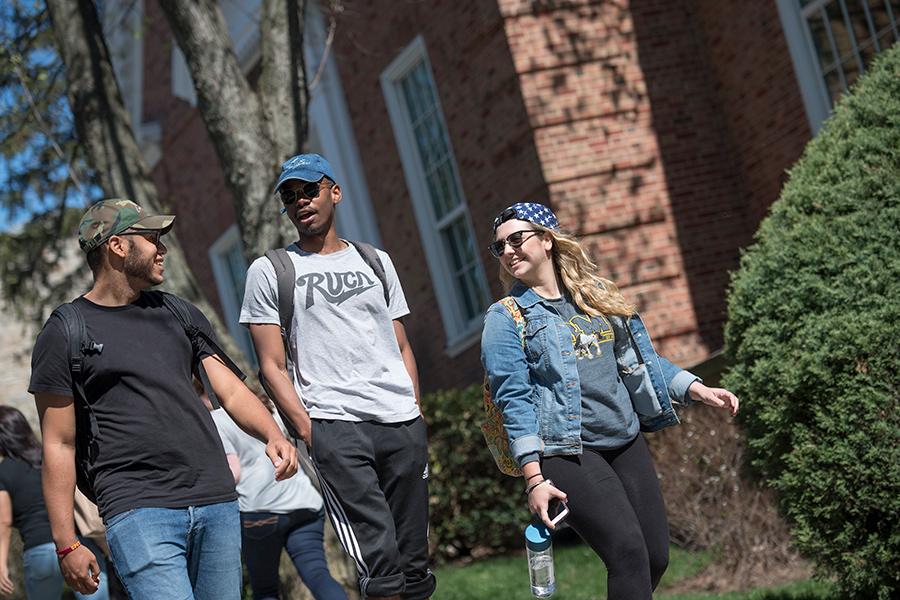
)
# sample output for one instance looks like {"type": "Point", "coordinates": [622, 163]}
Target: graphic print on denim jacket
{"type": "Point", "coordinates": [335, 288]}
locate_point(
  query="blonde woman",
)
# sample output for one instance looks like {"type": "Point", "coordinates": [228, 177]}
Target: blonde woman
{"type": "Point", "coordinates": [577, 380]}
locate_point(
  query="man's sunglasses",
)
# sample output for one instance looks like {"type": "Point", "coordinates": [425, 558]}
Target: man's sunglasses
{"type": "Point", "coordinates": [515, 239]}
{"type": "Point", "coordinates": [151, 235]}
{"type": "Point", "coordinates": [307, 191]}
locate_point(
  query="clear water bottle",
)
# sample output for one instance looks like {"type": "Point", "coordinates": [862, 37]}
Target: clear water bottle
{"type": "Point", "coordinates": [540, 560]}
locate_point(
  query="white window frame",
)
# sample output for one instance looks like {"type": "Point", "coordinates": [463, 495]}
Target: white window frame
{"type": "Point", "coordinates": [231, 310]}
{"type": "Point", "coordinates": [461, 332]}
{"type": "Point", "coordinates": [816, 98]}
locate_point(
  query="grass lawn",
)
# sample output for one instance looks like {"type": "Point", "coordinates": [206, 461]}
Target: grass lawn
{"type": "Point", "coordinates": [580, 575]}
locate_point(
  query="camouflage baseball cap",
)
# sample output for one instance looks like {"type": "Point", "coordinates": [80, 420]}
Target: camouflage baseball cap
{"type": "Point", "coordinates": [113, 216]}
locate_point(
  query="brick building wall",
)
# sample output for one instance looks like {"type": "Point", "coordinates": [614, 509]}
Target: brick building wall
{"type": "Point", "coordinates": [758, 93]}
{"type": "Point", "coordinates": [631, 142]}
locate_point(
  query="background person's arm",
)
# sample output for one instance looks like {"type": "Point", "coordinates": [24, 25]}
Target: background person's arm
{"type": "Point", "coordinates": [57, 414]}
{"type": "Point", "coordinates": [273, 365]}
{"type": "Point", "coordinates": [250, 415]}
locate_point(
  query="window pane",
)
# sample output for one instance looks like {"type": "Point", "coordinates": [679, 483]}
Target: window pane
{"type": "Point", "coordinates": [417, 93]}
{"type": "Point", "coordinates": [839, 31]}
{"type": "Point", "coordinates": [425, 144]}
{"type": "Point", "coordinates": [833, 83]}
{"type": "Point", "coordinates": [438, 195]}
{"type": "Point", "coordinates": [460, 247]}
{"type": "Point", "coordinates": [424, 83]}
{"type": "Point", "coordinates": [842, 43]}
{"type": "Point", "coordinates": [448, 188]}
{"type": "Point", "coordinates": [478, 290]}
{"type": "Point", "coordinates": [857, 12]}
{"type": "Point", "coordinates": [882, 12]}
{"type": "Point", "coordinates": [454, 249]}
{"type": "Point", "coordinates": [820, 40]}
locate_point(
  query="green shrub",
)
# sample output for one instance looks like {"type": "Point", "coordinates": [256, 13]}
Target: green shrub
{"type": "Point", "coordinates": [474, 509]}
{"type": "Point", "coordinates": [813, 329]}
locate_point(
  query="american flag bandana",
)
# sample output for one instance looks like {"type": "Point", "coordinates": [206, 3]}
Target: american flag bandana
{"type": "Point", "coordinates": [528, 211]}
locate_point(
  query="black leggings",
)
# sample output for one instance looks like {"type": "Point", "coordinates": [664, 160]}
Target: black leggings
{"type": "Point", "coordinates": [616, 506]}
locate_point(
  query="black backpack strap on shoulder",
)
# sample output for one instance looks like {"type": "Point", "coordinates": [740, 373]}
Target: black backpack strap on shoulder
{"type": "Point", "coordinates": [371, 258]}
{"type": "Point", "coordinates": [285, 277]}
{"type": "Point", "coordinates": [76, 337]}
{"type": "Point", "coordinates": [77, 346]}
{"type": "Point", "coordinates": [179, 307]}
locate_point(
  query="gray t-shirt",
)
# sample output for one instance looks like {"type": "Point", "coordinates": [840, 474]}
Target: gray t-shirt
{"type": "Point", "coordinates": [608, 419]}
{"type": "Point", "coordinates": [257, 489]}
{"type": "Point", "coordinates": [347, 362]}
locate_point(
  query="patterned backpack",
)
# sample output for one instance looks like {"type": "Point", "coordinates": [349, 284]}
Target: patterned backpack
{"type": "Point", "coordinates": [492, 427]}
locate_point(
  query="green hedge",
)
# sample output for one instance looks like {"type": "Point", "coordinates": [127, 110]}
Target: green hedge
{"type": "Point", "coordinates": [475, 509]}
{"type": "Point", "coordinates": [814, 332]}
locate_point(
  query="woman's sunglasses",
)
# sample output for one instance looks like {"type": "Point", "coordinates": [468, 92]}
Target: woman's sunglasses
{"type": "Point", "coordinates": [515, 239]}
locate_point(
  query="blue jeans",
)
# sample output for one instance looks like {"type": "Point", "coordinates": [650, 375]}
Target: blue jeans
{"type": "Point", "coordinates": [300, 533]}
{"type": "Point", "coordinates": [44, 580]}
{"type": "Point", "coordinates": [191, 553]}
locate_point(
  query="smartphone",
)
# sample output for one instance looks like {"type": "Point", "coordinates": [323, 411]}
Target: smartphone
{"type": "Point", "coordinates": [557, 511]}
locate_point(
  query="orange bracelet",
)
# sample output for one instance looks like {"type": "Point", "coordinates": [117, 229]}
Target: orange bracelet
{"type": "Point", "coordinates": [60, 553]}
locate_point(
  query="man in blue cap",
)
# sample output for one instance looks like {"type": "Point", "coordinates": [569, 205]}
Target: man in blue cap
{"type": "Point", "coordinates": [335, 358]}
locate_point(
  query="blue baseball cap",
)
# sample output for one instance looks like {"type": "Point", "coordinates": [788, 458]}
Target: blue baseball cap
{"type": "Point", "coordinates": [305, 167]}
{"type": "Point", "coordinates": [528, 211]}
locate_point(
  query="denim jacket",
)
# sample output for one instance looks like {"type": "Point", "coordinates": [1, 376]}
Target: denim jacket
{"type": "Point", "coordinates": [537, 387]}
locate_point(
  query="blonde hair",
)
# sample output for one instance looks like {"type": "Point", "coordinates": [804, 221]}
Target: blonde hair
{"type": "Point", "coordinates": [591, 292]}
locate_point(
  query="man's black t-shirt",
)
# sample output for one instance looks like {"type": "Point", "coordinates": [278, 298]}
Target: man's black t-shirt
{"type": "Point", "coordinates": [158, 446]}
{"type": "Point", "coordinates": [23, 484]}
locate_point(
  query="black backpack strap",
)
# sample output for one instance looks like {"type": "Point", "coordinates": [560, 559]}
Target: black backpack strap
{"type": "Point", "coordinates": [371, 258]}
{"type": "Point", "coordinates": [77, 346]}
{"type": "Point", "coordinates": [76, 335]}
{"type": "Point", "coordinates": [180, 308]}
{"type": "Point", "coordinates": [285, 277]}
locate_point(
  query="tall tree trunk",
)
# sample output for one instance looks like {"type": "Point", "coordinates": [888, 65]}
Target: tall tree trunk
{"type": "Point", "coordinates": [104, 128]}
{"type": "Point", "coordinates": [252, 133]}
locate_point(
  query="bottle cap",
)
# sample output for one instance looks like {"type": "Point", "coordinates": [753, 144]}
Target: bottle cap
{"type": "Point", "coordinates": [537, 537]}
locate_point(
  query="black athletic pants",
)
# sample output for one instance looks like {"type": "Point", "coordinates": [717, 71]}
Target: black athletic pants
{"type": "Point", "coordinates": [375, 485]}
{"type": "Point", "coordinates": [616, 506]}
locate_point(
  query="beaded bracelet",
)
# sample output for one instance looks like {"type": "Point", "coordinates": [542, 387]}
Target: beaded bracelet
{"type": "Point", "coordinates": [60, 553]}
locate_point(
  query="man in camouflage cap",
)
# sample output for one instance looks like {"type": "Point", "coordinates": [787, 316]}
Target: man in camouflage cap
{"type": "Point", "coordinates": [155, 463]}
